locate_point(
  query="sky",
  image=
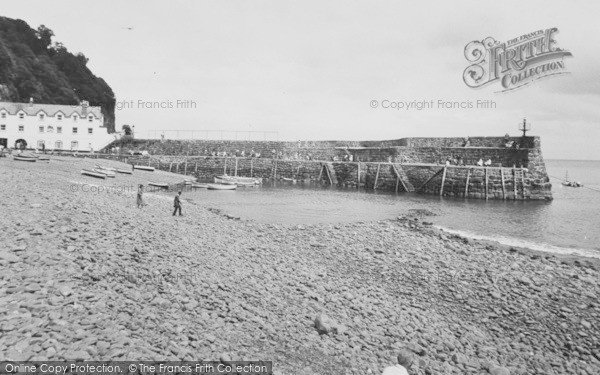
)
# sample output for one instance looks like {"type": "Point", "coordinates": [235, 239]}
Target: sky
{"type": "Point", "coordinates": [325, 70]}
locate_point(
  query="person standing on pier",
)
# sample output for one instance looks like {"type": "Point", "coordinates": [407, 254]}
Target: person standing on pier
{"type": "Point", "coordinates": [177, 204]}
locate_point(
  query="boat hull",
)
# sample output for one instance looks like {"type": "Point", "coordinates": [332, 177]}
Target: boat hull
{"type": "Point", "coordinates": [24, 158]}
{"type": "Point", "coordinates": [124, 171]}
{"type": "Point", "coordinates": [93, 174]}
{"type": "Point", "coordinates": [143, 168]}
{"type": "Point", "coordinates": [221, 187]}
{"type": "Point", "coordinates": [156, 184]}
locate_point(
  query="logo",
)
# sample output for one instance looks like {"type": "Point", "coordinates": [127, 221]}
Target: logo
{"type": "Point", "coordinates": [515, 63]}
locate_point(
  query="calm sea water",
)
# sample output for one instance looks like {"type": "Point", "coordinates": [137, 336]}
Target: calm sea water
{"type": "Point", "coordinates": [568, 224]}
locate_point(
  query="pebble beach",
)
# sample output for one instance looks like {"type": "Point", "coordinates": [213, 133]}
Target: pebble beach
{"type": "Point", "coordinates": [86, 275]}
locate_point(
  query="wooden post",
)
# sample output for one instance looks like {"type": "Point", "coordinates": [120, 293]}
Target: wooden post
{"type": "Point", "coordinates": [486, 182]}
{"type": "Point", "coordinates": [225, 166]}
{"type": "Point", "coordinates": [170, 166]}
{"type": "Point", "coordinates": [251, 167]}
{"type": "Point", "coordinates": [236, 166]}
{"type": "Point", "coordinates": [275, 170]}
{"type": "Point", "coordinates": [321, 172]}
{"type": "Point", "coordinates": [376, 176]}
{"type": "Point", "coordinates": [358, 175]}
{"type": "Point", "coordinates": [503, 186]}
{"type": "Point", "coordinates": [185, 168]}
{"type": "Point", "coordinates": [297, 172]}
{"type": "Point", "coordinates": [514, 182]}
{"type": "Point", "coordinates": [467, 183]}
{"type": "Point", "coordinates": [196, 168]}
{"type": "Point", "coordinates": [443, 181]}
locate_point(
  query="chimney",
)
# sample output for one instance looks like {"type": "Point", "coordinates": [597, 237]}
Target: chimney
{"type": "Point", "coordinates": [84, 107]}
{"type": "Point", "coordinates": [31, 101]}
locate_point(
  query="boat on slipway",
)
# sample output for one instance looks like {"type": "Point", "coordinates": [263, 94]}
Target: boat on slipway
{"type": "Point", "coordinates": [124, 171]}
{"type": "Point", "coordinates": [158, 184]}
{"type": "Point", "coordinates": [105, 172]}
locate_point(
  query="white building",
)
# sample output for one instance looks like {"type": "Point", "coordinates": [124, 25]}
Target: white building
{"type": "Point", "coordinates": [57, 127]}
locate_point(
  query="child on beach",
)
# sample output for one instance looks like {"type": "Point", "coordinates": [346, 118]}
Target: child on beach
{"type": "Point", "coordinates": [140, 201]}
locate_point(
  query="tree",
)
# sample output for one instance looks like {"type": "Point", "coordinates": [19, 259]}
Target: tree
{"type": "Point", "coordinates": [127, 129]}
{"type": "Point", "coordinates": [45, 35]}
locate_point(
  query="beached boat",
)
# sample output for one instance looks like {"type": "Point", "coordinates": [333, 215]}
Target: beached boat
{"type": "Point", "coordinates": [143, 168]}
{"type": "Point", "coordinates": [289, 179]}
{"type": "Point", "coordinates": [87, 172]}
{"type": "Point", "coordinates": [124, 171]}
{"type": "Point", "coordinates": [24, 158]}
{"type": "Point", "coordinates": [199, 186]}
{"type": "Point", "coordinates": [43, 158]}
{"type": "Point", "coordinates": [221, 187]}
{"type": "Point", "coordinates": [105, 172]}
{"type": "Point", "coordinates": [106, 168]}
{"type": "Point", "coordinates": [158, 184]}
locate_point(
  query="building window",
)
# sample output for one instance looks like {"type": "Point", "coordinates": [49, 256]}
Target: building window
{"type": "Point", "coordinates": [58, 145]}
{"type": "Point", "coordinates": [3, 115]}
{"type": "Point", "coordinates": [90, 118]}
{"type": "Point", "coordinates": [41, 129]}
{"type": "Point", "coordinates": [75, 117]}
{"type": "Point", "coordinates": [59, 117]}
{"type": "Point", "coordinates": [3, 127]}
{"type": "Point", "coordinates": [90, 131]}
{"type": "Point", "coordinates": [74, 130]}
{"type": "Point", "coordinates": [42, 117]}
{"type": "Point", "coordinates": [21, 115]}
{"type": "Point", "coordinates": [40, 144]}
{"type": "Point", "coordinates": [50, 129]}
{"type": "Point", "coordinates": [74, 145]}
{"type": "Point", "coordinates": [21, 128]}
{"type": "Point", "coordinates": [59, 129]}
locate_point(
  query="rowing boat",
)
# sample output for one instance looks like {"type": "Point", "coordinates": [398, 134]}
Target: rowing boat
{"type": "Point", "coordinates": [143, 168]}
{"type": "Point", "coordinates": [93, 173]}
{"type": "Point", "coordinates": [224, 179]}
{"type": "Point", "coordinates": [124, 171]}
{"type": "Point", "coordinates": [105, 172]}
{"type": "Point", "coordinates": [106, 168]}
{"type": "Point", "coordinates": [158, 184]}
{"type": "Point", "coordinates": [24, 158]}
{"type": "Point", "coordinates": [199, 186]}
{"type": "Point", "coordinates": [220, 187]}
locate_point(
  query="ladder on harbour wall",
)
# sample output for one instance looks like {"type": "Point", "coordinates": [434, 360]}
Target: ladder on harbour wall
{"type": "Point", "coordinates": [402, 178]}
{"type": "Point", "coordinates": [519, 183]}
{"type": "Point", "coordinates": [329, 172]}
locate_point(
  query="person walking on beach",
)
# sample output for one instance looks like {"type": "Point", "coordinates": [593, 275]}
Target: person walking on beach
{"type": "Point", "coordinates": [140, 200]}
{"type": "Point", "coordinates": [177, 204]}
{"type": "Point", "coordinates": [405, 359]}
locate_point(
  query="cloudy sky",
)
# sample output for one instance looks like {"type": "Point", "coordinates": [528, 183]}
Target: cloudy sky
{"type": "Point", "coordinates": [311, 69]}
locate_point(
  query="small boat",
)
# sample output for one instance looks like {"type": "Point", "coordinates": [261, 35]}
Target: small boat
{"type": "Point", "coordinates": [43, 158]}
{"type": "Point", "coordinates": [289, 179]}
{"type": "Point", "coordinates": [24, 158]}
{"type": "Point", "coordinates": [87, 172]}
{"type": "Point", "coordinates": [157, 184]}
{"type": "Point", "coordinates": [224, 179]}
{"type": "Point", "coordinates": [568, 183]}
{"type": "Point", "coordinates": [124, 171]}
{"type": "Point", "coordinates": [105, 172]}
{"type": "Point", "coordinates": [221, 187]}
{"type": "Point", "coordinates": [199, 186]}
{"type": "Point", "coordinates": [143, 168]}
{"type": "Point", "coordinates": [106, 168]}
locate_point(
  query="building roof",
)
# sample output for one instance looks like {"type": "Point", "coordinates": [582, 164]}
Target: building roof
{"type": "Point", "coordinates": [32, 109]}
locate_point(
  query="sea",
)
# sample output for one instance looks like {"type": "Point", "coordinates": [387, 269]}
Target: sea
{"type": "Point", "coordinates": [569, 224]}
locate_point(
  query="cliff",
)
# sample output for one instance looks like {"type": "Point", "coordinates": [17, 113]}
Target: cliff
{"type": "Point", "coordinates": [31, 66]}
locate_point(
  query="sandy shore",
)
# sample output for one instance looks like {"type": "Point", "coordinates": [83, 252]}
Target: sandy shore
{"type": "Point", "coordinates": [86, 275]}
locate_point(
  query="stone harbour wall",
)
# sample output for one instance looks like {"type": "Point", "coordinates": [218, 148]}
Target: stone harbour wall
{"type": "Point", "coordinates": [413, 164]}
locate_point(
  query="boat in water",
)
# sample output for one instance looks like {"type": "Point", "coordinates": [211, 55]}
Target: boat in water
{"type": "Point", "coordinates": [568, 183]}
{"type": "Point", "coordinates": [221, 187]}
{"type": "Point", "coordinates": [235, 180]}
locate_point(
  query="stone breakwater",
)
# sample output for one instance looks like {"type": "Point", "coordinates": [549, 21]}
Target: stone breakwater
{"type": "Point", "coordinates": [88, 276]}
